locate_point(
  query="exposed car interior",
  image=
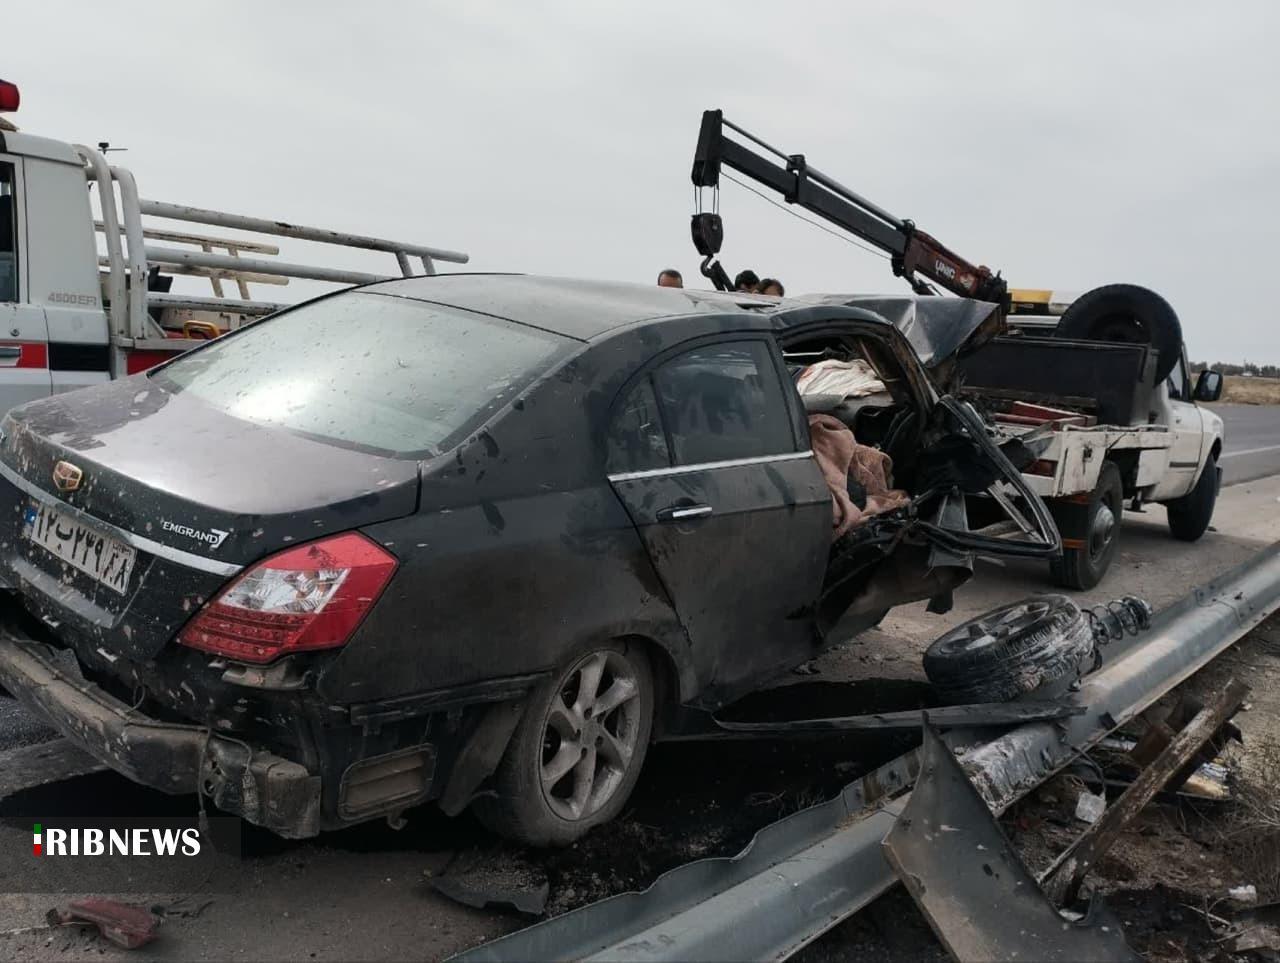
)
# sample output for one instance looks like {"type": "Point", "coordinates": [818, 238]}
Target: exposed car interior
{"type": "Point", "coordinates": [858, 381]}
{"type": "Point", "coordinates": [869, 396]}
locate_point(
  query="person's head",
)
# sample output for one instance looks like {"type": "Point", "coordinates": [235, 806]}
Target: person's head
{"type": "Point", "coordinates": [670, 278]}
{"type": "Point", "coordinates": [772, 287]}
{"type": "Point", "coordinates": [746, 281]}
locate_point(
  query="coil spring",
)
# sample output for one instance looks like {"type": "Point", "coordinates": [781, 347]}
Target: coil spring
{"type": "Point", "coordinates": [1112, 621]}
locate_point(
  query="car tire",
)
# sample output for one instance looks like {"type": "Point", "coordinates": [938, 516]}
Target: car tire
{"type": "Point", "coordinates": [543, 797]}
{"type": "Point", "coordinates": [1189, 516]}
{"type": "Point", "coordinates": [1084, 567]}
{"type": "Point", "coordinates": [1126, 313]}
{"type": "Point", "coordinates": [1039, 645]}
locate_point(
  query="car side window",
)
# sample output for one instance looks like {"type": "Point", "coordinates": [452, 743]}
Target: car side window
{"type": "Point", "coordinates": [636, 441]}
{"type": "Point", "coordinates": [722, 402]}
{"type": "Point", "coordinates": [8, 236]}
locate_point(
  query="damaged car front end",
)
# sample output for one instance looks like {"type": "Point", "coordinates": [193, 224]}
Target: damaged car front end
{"type": "Point", "coordinates": [477, 540]}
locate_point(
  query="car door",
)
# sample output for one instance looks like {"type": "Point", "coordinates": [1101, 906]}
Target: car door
{"type": "Point", "coordinates": [1187, 427]}
{"type": "Point", "coordinates": [710, 457]}
{"type": "Point", "coordinates": [24, 334]}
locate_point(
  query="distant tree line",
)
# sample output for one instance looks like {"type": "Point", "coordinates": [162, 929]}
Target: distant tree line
{"type": "Point", "coordinates": [1227, 368]}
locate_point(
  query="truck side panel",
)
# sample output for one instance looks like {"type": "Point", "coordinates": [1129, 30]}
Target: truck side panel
{"type": "Point", "coordinates": [24, 335]}
{"type": "Point", "coordinates": [62, 258]}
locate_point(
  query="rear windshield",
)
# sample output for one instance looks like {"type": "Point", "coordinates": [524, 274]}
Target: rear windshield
{"type": "Point", "coordinates": [369, 371]}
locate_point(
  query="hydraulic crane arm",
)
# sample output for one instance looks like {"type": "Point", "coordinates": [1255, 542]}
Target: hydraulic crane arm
{"type": "Point", "coordinates": [912, 252]}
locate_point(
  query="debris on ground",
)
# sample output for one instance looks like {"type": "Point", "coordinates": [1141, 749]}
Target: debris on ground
{"type": "Point", "coordinates": [497, 879]}
{"type": "Point", "coordinates": [1089, 808]}
{"type": "Point", "coordinates": [124, 924]}
{"type": "Point", "coordinates": [1178, 756]}
{"type": "Point", "coordinates": [182, 907]}
{"type": "Point", "coordinates": [1256, 929]}
{"type": "Point", "coordinates": [972, 885]}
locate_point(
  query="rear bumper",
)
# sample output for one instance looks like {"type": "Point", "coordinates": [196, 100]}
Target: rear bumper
{"type": "Point", "coordinates": [255, 784]}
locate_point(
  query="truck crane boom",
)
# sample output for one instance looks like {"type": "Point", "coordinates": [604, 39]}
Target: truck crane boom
{"type": "Point", "coordinates": [913, 253]}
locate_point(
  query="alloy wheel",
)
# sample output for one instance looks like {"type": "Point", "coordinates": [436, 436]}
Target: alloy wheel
{"type": "Point", "coordinates": [590, 734]}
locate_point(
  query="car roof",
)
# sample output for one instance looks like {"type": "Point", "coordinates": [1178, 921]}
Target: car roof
{"type": "Point", "coordinates": [576, 308]}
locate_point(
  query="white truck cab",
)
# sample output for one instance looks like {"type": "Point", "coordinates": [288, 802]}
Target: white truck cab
{"type": "Point", "coordinates": [85, 293]}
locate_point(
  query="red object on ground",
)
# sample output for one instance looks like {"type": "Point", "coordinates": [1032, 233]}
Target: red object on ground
{"type": "Point", "coordinates": [123, 924]}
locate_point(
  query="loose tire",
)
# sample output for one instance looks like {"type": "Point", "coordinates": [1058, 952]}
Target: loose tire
{"type": "Point", "coordinates": [577, 752]}
{"type": "Point", "coordinates": [1084, 565]}
{"type": "Point", "coordinates": [1126, 313]}
{"type": "Point", "coordinates": [1039, 645]}
{"type": "Point", "coordinates": [1189, 516]}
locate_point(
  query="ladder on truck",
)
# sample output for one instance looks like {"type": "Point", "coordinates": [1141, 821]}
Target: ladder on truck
{"type": "Point", "coordinates": [149, 323]}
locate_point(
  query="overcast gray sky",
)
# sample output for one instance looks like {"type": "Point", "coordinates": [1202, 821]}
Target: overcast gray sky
{"type": "Point", "coordinates": [1069, 144]}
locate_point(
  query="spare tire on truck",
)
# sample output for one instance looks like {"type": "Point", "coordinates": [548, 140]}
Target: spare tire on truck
{"type": "Point", "coordinates": [1038, 645]}
{"type": "Point", "coordinates": [1129, 314]}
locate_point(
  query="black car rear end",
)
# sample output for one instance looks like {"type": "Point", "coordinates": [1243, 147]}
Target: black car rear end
{"type": "Point", "coordinates": [197, 538]}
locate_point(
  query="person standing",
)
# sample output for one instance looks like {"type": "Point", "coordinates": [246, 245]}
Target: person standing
{"type": "Point", "coordinates": [747, 281]}
{"type": "Point", "coordinates": [670, 278]}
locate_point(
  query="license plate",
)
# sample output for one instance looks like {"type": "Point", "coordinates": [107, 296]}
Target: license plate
{"type": "Point", "coordinates": [105, 559]}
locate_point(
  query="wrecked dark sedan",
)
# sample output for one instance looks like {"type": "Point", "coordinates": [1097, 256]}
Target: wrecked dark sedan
{"type": "Point", "coordinates": [480, 539]}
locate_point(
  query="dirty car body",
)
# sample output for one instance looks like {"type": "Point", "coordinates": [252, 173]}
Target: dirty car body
{"type": "Point", "coordinates": [313, 569]}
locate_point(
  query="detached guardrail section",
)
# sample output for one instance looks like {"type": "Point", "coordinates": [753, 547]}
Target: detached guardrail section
{"type": "Point", "coordinates": [803, 875]}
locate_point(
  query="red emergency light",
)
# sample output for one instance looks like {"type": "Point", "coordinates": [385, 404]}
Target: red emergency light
{"type": "Point", "coordinates": [9, 96]}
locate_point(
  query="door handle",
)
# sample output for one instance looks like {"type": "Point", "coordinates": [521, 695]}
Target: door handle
{"type": "Point", "coordinates": [683, 512]}
{"type": "Point", "coordinates": [10, 355]}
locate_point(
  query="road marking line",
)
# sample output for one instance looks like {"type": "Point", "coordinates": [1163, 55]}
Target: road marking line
{"type": "Point", "coordinates": [1248, 451]}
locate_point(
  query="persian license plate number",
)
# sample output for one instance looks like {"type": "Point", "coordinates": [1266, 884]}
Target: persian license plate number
{"type": "Point", "coordinates": [105, 559]}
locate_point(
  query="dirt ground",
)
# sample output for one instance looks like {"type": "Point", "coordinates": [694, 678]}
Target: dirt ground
{"type": "Point", "coordinates": [367, 894]}
{"type": "Point", "coordinates": [1239, 390]}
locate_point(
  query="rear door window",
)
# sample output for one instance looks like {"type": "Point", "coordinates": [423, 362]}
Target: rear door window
{"type": "Point", "coordinates": [636, 441]}
{"type": "Point", "coordinates": [8, 234]}
{"type": "Point", "coordinates": [370, 371]}
{"type": "Point", "coordinates": [723, 402]}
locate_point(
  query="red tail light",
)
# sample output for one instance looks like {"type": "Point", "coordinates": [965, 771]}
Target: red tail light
{"type": "Point", "coordinates": [9, 96]}
{"type": "Point", "coordinates": [309, 597]}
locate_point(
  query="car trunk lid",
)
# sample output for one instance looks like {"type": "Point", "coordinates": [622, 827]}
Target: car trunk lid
{"type": "Point", "coordinates": [191, 493]}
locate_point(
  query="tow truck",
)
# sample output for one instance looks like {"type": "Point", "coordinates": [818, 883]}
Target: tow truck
{"type": "Point", "coordinates": [87, 295]}
{"type": "Point", "coordinates": [1092, 393]}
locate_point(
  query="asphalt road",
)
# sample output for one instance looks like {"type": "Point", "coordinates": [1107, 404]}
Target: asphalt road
{"type": "Point", "coordinates": [1252, 448]}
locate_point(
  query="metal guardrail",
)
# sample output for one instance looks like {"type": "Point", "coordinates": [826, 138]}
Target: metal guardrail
{"type": "Point", "coordinates": [803, 875]}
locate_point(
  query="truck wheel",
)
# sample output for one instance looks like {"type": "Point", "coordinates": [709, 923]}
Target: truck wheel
{"type": "Point", "coordinates": [576, 754]}
{"type": "Point", "coordinates": [1126, 313]}
{"type": "Point", "coordinates": [1036, 645]}
{"type": "Point", "coordinates": [1094, 536]}
{"type": "Point", "coordinates": [1190, 515]}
